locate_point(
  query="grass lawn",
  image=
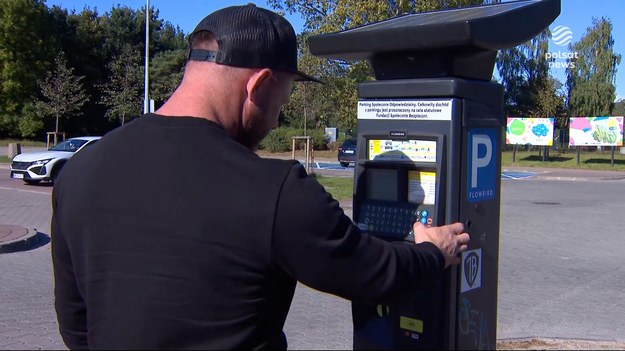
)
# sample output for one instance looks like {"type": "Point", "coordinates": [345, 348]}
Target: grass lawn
{"type": "Point", "coordinates": [339, 187]}
{"type": "Point", "coordinates": [5, 142]}
{"type": "Point", "coordinates": [595, 160]}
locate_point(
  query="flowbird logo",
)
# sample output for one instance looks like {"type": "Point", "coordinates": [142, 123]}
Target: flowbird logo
{"type": "Point", "coordinates": [561, 35]}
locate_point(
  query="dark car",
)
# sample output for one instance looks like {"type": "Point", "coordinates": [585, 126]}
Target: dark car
{"type": "Point", "coordinates": [347, 152]}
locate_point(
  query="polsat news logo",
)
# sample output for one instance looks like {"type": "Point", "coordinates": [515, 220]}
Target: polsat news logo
{"type": "Point", "coordinates": [561, 36]}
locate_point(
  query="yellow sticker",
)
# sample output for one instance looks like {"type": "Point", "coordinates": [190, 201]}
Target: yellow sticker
{"type": "Point", "coordinates": [374, 147]}
{"type": "Point", "coordinates": [415, 325]}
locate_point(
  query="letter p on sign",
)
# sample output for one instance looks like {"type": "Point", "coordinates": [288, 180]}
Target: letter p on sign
{"type": "Point", "coordinates": [482, 172]}
{"type": "Point", "coordinates": [478, 161]}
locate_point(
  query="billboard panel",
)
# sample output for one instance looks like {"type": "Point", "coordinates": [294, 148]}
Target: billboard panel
{"type": "Point", "coordinates": [599, 131]}
{"type": "Point", "coordinates": [529, 131]}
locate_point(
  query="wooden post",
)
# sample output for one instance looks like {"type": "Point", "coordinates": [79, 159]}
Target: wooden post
{"type": "Point", "coordinates": [307, 138]}
{"type": "Point", "coordinates": [55, 138]}
{"type": "Point", "coordinates": [612, 160]}
{"type": "Point", "coordinates": [14, 149]}
{"type": "Point", "coordinates": [312, 157]}
{"type": "Point", "coordinates": [308, 156]}
{"type": "Point", "coordinates": [578, 152]}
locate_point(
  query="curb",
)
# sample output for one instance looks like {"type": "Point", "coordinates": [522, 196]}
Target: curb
{"type": "Point", "coordinates": [579, 179]}
{"type": "Point", "coordinates": [574, 178]}
{"type": "Point", "coordinates": [22, 243]}
{"type": "Point", "coordinates": [540, 343]}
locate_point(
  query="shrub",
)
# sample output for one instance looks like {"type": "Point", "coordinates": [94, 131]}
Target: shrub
{"type": "Point", "coordinates": [276, 141]}
{"type": "Point", "coordinates": [334, 146]}
{"type": "Point", "coordinates": [281, 139]}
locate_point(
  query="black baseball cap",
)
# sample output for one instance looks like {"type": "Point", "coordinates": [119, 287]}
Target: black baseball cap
{"type": "Point", "coordinates": [252, 37]}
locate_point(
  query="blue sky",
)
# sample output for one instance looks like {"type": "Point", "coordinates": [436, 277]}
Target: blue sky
{"type": "Point", "coordinates": [576, 15]}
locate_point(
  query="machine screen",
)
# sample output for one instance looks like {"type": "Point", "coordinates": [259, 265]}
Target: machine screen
{"type": "Point", "coordinates": [403, 150]}
{"type": "Point", "coordinates": [382, 184]}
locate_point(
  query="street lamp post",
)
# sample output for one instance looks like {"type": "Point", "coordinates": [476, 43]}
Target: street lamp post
{"type": "Point", "coordinates": [146, 101]}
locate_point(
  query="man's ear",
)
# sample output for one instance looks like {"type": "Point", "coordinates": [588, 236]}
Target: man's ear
{"type": "Point", "coordinates": [258, 85]}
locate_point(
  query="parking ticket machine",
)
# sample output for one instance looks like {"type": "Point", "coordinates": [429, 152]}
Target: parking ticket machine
{"type": "Point", "coordinates": [428, 149]}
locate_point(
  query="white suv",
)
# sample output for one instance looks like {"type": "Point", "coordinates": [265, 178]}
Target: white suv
{"type": "Point", "coordinates": [33, 167]}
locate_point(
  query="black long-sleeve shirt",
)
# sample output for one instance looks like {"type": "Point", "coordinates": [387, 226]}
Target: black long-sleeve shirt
{"type": "Point", "coordinates": [167, 233]}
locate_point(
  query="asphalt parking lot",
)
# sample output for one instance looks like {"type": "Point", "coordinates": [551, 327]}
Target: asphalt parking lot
{"type": "Point", "coordinates": [561, 272]}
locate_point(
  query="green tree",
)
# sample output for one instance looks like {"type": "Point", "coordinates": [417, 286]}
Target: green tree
{"type": "Point", "coordinates": [31, 121]}
{"type": "Point", "coordinates": [92, 41]}
{"type": "Point", "coordinates": [82, 37]}
{"type": "Point", "coordinates": [315, 105]}
{"type": "Point", "coordinates": [619, 108]}
{"type": "Point", "coordinates": [27, 48]}
{"type": "Point", "coordinates": [549, 98]}
{"type": "Point", "coordinates": [335, 103]}
{"type": "Point", "coordinates": [166, 73]}
{"type": "Point", "coordinates": [524, 71]}
{"type": "Point", "coordinates": [326, 16]}
{"type": "Point", "coordinates": [63, 92]}
{"type": "Point", "coordinates": [591, 75]}
{"type": "Point", "coordinates": [122, 93]}
{"type": "Point", "coordinates": [123, 27]}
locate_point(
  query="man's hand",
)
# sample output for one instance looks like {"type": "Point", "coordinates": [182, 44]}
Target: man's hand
{"type": "Point", "coordinates": [448, 238]}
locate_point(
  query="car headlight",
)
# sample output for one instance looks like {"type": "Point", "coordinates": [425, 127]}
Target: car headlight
{"type": "Point", "coordinates": [41, 162]}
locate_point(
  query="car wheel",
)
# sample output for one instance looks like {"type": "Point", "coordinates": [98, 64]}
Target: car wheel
{"type": "Point", "coordinates": [55, 173]}
{"type": "Point", "coordinates": [32, 181]}
{"type": "Point", "coordinates": [344, 164]}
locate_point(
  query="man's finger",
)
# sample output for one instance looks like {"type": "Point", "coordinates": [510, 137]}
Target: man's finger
{"type": "Point", "coordinates": [463, 238]}
{"type": "Point", "coordinates": [463, 248]}
{"type": "Point", "coordinates": [456, 227]}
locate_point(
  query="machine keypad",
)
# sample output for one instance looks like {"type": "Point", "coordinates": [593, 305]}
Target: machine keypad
{"type": "Point", "coordinates": [391, 221]}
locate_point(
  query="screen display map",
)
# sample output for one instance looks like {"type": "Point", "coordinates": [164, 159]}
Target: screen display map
{"type": "Point", "coordinates": [403, 150]}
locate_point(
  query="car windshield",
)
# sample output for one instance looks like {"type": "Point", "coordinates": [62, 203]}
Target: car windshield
{"type": "Point", "coordinates": [349, 143]}
{"type": "Point", "coordinates": [70, 145]}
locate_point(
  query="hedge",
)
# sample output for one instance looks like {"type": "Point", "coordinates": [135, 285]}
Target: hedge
{"type": "Point", "coordinates": [281, 139]}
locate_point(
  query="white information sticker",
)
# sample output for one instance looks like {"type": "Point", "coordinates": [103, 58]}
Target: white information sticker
{"type": "Point", "coordinates": [422, 187]}
{"type": "Point", "coordinates": [431, 110]}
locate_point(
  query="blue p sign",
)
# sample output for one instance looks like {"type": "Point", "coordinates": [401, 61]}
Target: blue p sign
{"type": "Point", "coordinates": [482, 164]}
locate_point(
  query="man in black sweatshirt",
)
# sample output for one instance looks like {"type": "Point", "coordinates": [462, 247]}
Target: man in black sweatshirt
{"type": "Point", "coordinates": [171, 232]}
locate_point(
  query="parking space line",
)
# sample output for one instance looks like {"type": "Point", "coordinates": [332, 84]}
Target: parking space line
{"type": "Point", "coordinates": [26, 191]}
